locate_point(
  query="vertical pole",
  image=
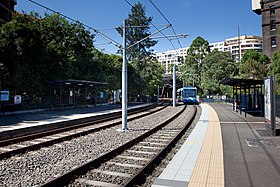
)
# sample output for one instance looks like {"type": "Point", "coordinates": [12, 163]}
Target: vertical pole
{"type": "Point", "coordinates": [174, 85]}
{"type": "Point", "coordinates": [124, 82]}
{"type": "Point", "coordinates": [272, 97]}
{"type": "Point", "coordinates": [193, 81]}
{"type": "Point", "coordinates": [74, 95]}
{"type": "Point", "coordinates": [157, 93]}
{"type": "Point", "coordinates": [0, 95]}
{"type": "Point", "coordinates": [234, 99]}
{"type": "Point", "coordinates": [239, 44]}
{"type": "Point", "coordinates": [261, 101]}
{"type": "Point", "coordinates": [240, 96]}
{"type": "Point", "coordinates": [166, 67]}
{"type": "Point", "coordinates": [254, 97]}
{"type": "Point", "coordinates": [60, 90]}
{"type": "Point", "coordinates": [245, 103]}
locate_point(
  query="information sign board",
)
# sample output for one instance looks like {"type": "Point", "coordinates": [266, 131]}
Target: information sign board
{"type": "Point", "coordinates": [269, 104]}
{"type": "Point", "coordinates": [17, 99]}
{"type": "Point", "coordinates": [5, 95]}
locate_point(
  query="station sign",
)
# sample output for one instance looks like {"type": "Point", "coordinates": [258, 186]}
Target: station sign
{"type": "Point", "coordinates": [269, 104]}
{"type": "Point", "coordinates": [17, 99]}
{"type": "Point", "coordinates": [4, 95]}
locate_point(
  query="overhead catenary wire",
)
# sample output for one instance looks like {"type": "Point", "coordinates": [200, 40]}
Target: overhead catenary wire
{"type": "Point", "coordinates": [5, 7]}
{"type": "Point", "coordinates": [166, 20]}
{"type": "Point", "coordinates": [149, 36]}
{"type": "Point", "coordinates": [95, 30]}
{"type": "Point", "coordinates": [103, 50]}
{"type": "Point", "coordinates": [155, 27]}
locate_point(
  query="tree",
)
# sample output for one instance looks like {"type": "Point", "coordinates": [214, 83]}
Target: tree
{"type": "Point", "coordinates": [147, 74]}
{"type": "Point", "coordinates": [137, 28]}
{"type": "Point", "coordinates": [216, 66]}
{"type": "Point", "coordinates": [35, 50]}
{"type": "Point", "coordinates": [254, 65]}
{"type": "Point", "coordinates": [191, 70]}
{"type": "Point", "coordinates": [274, 69]}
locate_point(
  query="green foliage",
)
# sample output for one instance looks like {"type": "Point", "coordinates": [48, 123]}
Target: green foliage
{"type": "Point", "coordinates": [191, 70]}
{"type": "Point", "coordinates": [35, 50]}
{"type": "Point", "coordinates": [254, 65]}
{"type": "Point", "coordinates": [108, 68]}
{"type": "Point", "coordinates": [137, 25]}
{"type": "Point", "coordinates": [216, 66]}
{"type": "Point", "coordinates": [146, 74]}
{"type": "Point", "coordinates": [274, 69]}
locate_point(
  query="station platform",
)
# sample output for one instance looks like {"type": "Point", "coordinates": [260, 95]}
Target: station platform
{"type": "Point", "coordinates": [225, 149]}
{"type": "Point", "coordinates": [25, 120]}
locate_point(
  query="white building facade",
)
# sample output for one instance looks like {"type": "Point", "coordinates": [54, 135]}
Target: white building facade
{"type": "Point", "coordinates": [236, 46]}
{"type": "Point", "coordinates": [172, 57]}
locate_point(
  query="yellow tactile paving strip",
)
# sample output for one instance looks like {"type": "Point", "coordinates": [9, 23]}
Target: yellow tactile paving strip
{"type": "Point", "coordinates": [209, 168]}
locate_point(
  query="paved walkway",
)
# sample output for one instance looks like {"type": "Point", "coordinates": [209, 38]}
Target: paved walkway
{"type": "Point", "coordinates": [37, 118]}
{"type": "Point", "coordinates": [251, 156]}
{"type": "Point", "coordinates": [200, 160]}
{"type": "Point", "coordinates": [209, 168]}
{"type": "Point", "coordinates": [225, 149]}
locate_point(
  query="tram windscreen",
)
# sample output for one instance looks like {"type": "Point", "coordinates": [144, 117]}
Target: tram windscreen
{"type": "Point", "coordinates": [190, 93]}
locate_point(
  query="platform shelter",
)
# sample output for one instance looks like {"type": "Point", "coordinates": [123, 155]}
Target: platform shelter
{"type": "Point", "coordinates": [247, 95]}
{"type": "Point", "coordinates": [73, 92]}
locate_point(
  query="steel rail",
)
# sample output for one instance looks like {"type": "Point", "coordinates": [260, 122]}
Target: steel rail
{"type": "Point", "coordinates": [70, 125]}
{"type": "Point", "coordinates": [32, 147]}
{"type": "Point", "coordinates": [91, 164]}
{"type": "Point", "coordinates": [147, 169]}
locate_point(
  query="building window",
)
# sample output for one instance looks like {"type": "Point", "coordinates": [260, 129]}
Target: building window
{"type": "Point", "coordinates": [272, 25]}
{"type": "Point", "coordinates": [273, 41]}
{"type": "Point", "coordinates": [272, 9]}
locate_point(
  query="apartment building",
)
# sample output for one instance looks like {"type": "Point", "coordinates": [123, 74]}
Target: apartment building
{"type": "Point", "coordinates": [270, 12]}
{"type": "Point", "coordinates": [5, 7]}
{"type": "Point", "coordinates": [170, 57]}
{"type": "Point", "coordinates": [236, 46]}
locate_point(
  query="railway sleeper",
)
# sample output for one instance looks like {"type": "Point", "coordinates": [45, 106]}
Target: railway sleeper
{"type": "Point", "coordinates": [96, 183]}
{"type": "Point", "coordinates": [154, 143]}
{"type": "Point", "coordinates": [125, 165]}
{"type": "Point", "coordinates": [148, 147]}
{"type": "Point", "coordinates": [111, 173]}
{"type": "Point", "coordinates": [142, 152]}
{"type": "Point", "coordinates": [133, 158]}
{"type": "Point", "coordinates": [158, 140]}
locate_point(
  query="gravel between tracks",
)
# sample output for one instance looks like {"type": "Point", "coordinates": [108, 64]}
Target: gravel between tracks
{"type": "Point", "coordinates": [36, 167]}
{"type": "Point", "coordinates": [158, 170]}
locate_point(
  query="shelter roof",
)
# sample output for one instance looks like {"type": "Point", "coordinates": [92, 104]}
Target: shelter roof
{"type": "Point", "coordinates": [240, 82]}
{"type": "Point", "coordinates": [77, 82]}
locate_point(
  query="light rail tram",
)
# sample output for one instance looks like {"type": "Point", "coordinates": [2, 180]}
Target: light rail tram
{"type": "Point", "coordinates": [187, 95]}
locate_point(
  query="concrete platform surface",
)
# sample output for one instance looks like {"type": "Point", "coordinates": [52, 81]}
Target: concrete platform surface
{"type": "Point", "coordinates": [225, 149]}
{"type": "Point", "coordinates": [37, 118]}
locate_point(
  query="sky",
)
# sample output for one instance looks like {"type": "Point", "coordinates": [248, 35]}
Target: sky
{"type": "Point", "coordinates": [214, 21]}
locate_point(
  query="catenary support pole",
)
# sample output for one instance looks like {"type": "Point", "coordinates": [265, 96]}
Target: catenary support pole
{"type": "Point", "coordinates": [124, 81]}
{"type": "Point", "coordinates": [174, 85]}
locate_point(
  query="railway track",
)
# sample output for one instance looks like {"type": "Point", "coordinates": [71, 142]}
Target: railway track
{"type": "Point", "coordinates": [36, 141]}
{"type": "Point", "coordinates": [128, 164]}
